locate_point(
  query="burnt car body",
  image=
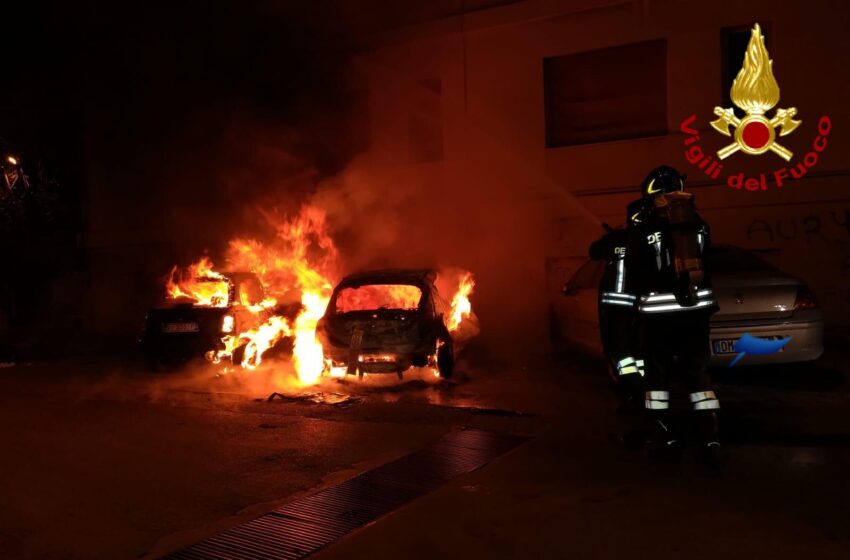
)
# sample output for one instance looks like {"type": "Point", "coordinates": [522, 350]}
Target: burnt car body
{"type": "Point", "coordinates": [376, 334]}
{"type": "Point", "coordinates": [179, 330]}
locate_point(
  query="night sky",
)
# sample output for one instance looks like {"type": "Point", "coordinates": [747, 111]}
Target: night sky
{"type": "Point", "coordinates": [150, 96]}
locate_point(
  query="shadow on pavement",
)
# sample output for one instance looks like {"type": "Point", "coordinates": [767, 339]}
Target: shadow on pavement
{"type": "Point", "coordinates": [803, 376]}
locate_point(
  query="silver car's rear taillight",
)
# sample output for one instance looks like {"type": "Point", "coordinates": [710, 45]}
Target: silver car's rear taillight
{"type": "Point", "coordinates": [805, 299]}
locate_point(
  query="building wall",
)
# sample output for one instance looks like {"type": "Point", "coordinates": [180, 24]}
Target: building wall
{"type": "Point", "coordinates": [490, 66]}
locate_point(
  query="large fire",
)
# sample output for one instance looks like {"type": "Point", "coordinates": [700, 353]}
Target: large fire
{"type": "Point", "coordinates": [387, 296]}
{"type": "Point", "coordinates": [461, 306]}
{"type": "Point", "coordinates": [299, 266]}
{"type": "Point", "coordinates": [200, 284]}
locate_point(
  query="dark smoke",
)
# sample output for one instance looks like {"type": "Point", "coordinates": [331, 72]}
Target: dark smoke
{"type": "Point", "coordinates": [190, 117]}
{"type": "Point", "coordinates": [163, 122]}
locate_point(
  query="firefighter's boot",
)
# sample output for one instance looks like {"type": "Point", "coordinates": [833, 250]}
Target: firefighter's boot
{"type": "Point", "coordinates": [710, 452]}
{"type": "Point", "coordinates": [663, 444]}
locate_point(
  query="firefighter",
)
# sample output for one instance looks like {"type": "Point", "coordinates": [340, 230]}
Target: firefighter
{"type": "Point", "coordinates": [671, 287]}
{"type": "Point", "coordinates": [617, 314]}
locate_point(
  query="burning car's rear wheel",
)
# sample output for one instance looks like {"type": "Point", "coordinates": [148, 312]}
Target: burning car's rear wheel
{"type": "Point", "coordinates": [445, 359]}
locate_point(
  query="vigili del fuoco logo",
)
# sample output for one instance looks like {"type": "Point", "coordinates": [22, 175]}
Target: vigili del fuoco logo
{"type": "Point", "coordinates": [755, 92]}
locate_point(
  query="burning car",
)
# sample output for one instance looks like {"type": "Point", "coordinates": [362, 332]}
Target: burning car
{"type": "Point", "coordinates": [386, 321]}
{"type": "Point", "coordinates": [286, 307]}
{"type": "Point", "coordinates": [203, 310]}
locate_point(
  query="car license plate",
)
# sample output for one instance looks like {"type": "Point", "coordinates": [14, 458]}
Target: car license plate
{"type": "Point", "coordinates": [181, 327]}
{"type": "Point", "coordinates": [723, 346]}
{"type": "Point", "coordinates": [727, 345]}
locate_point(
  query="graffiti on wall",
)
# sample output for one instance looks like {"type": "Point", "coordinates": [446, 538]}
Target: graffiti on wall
{"type": "Point", "coordinates": [832, 226]}
{"type": "Point", "coordinates": [823, 234]}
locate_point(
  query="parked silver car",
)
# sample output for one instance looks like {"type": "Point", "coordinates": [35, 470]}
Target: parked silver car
{"type": "Point", "coordinates": [754, 298]}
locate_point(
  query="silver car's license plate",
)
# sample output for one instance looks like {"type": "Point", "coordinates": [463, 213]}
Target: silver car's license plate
{"type": "Point", "coordinates": [723, 346]}
{"type": "Point", "coordinates": [727, 345]}
{"type": "Point", "coordinates": [181, 327]}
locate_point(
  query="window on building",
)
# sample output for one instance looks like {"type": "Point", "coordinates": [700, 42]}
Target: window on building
{"type": "Point", "coordinates": [609, 94]}
{"type": "Point", "coordinates": [733, 46]}
{"type": "Point", "coordinates": [425, 122]}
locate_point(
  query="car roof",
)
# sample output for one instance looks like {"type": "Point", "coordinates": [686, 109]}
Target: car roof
{"type": "Point", "coordinates": [414, 276]}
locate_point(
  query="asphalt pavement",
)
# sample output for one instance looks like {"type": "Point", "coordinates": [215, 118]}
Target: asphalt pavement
{"type": "Point", "coordinates": [104, 460]}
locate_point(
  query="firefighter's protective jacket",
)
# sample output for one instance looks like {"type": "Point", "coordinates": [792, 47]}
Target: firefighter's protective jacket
{"type": "Point", "coordinates": [616, 306]}
{"type": "Point", "coordinates": [612, 287]}
{"type": "Point", "coordinates": [664, 269]}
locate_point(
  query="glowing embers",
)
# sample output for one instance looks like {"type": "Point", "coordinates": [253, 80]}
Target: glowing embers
{"type": "Point", "coordinates": [335, 370]}
{"type": "Point", "coordinates": [377, 358]}
{"type": "Point", "coordinates": [199, 284]}
{"type": "Point", "coordinates": [378, 296]}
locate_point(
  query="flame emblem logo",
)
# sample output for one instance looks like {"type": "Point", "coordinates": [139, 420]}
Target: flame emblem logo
{"type": "Point", "coordinates": [755, 92]}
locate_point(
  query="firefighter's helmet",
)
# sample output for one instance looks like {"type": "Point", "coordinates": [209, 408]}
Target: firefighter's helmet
{"type": "Point", "coordinates": [662, 180]}
{"type": "Point", "coordinates": [635, 212]}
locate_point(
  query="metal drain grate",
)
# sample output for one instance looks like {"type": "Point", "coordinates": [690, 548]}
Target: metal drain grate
{"type": "Point", "coordinates": [304, 526]}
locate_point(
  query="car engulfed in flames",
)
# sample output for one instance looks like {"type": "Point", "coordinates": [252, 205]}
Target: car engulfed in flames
{"type": "Point", "coordinates": [389, 321]}
{"type": "Point", "coordinates": [205, 314]}
{"type": "Point", "coordinates": [279, 305]}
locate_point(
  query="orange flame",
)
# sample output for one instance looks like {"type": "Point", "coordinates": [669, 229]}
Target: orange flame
{"type": "Point", "coordinates": [297, 266]}
{"type": "Point", "coordinates": [200, 284]}
{"type": "Point", "coordinates": [377, 296]}
{"type": "Point", "coordinates": [307, 350]}
{"type": "Point", "coordinates": [461, 306]}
